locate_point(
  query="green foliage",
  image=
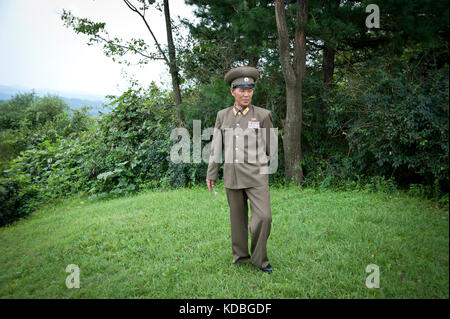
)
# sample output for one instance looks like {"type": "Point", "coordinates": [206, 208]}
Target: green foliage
{"type": "Point", "coordinates": [13, 111]}
{"type": "Point", "coordinates": [333, 143]}
{"type": "Point", "coordinates": [41, 146]}
{"type": "Point", "coordinates": [112, 46]}
{"type": "Point", "coordinates": [385, 118]}
{"type": "Point", "coordinates": [76, 121]}
{"type": "Point", "coordinates": [55, 168]}
{"type": "Point", "coordinates": [12, 142]}
{"type": "Point", "coordinates": [17, 200]}
{"type": "Point", "coordinates": [202, 102]}
{"type": "Point", "coordinates": [396, 125]}
{"type": "Point", "coordinates": [28, 120]}
{"type": "Point", "coordinates": [45, 109]}
{"type": "Point", "coordinates": [135, 146]}
{"type": "Point", "coordinates": [228, 33]}
{"type": "Point", "coordinates": [134, 140]}
{"type": "Point", "coordinates": [382, 123]}
{"type": "Point", "coordinates": [128, 150]}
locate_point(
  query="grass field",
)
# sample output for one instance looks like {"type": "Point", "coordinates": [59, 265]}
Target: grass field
{"type": "Point", "coordinates": [176, 244]}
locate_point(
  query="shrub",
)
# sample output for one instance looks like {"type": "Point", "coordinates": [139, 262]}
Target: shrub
{"type": "Point", "coordinates": [17, 200]}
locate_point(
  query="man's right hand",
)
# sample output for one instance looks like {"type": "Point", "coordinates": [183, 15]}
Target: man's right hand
{"type": "Point", "coordinates": [210, 184]}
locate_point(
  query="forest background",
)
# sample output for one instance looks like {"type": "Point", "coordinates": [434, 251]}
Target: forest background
{"type": "Point", "coordinates": [373, 103]}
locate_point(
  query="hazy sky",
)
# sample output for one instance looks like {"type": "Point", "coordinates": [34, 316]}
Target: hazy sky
{"type": "Point", "coordinates": [38, 51]}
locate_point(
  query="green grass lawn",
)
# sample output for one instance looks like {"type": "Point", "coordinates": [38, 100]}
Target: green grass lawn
{"type": "Point", "coordinates": [176, 244]}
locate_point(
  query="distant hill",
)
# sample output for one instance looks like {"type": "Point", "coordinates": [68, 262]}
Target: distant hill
{"type": "Point", "coordinates": [74, 100]}
{"type": "Point", "coordinates": [97, 105]}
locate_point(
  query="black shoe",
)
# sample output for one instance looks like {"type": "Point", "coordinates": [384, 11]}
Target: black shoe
{"type": "Point", "coordinates": [267, 269]}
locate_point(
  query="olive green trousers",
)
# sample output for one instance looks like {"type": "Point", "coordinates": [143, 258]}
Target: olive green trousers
{"type": "Point", "coordinates": [259, 226]}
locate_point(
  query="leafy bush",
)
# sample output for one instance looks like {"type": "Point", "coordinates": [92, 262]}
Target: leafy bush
{"type": "Point", "coordinates": [45, 109]}
{"type": "Point", "coordinates": [54, 168]}
{"type": "Point", "coordinates": [395, 124]}
{"type": "Point", "coordinates": [134, 142]}
{"type": "Point", "coordinates": [27, 120]}
{"type": "Point", "coordinates": [18, 200]}
{"type": "Point", "coordinates": [12, 112]}
{"type": "Point", "coordinates": [128, 150]}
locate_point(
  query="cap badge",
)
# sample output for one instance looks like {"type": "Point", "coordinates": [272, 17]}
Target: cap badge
{"type": "Point", "coordinates": [246, 79]}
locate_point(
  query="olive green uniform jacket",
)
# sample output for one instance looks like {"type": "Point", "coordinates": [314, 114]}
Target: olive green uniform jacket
{"type": "Point", "coordinates": [245, 141]}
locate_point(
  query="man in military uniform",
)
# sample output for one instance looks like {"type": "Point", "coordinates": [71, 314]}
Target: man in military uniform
{"type": "Point", "coordinates": [243, 131]}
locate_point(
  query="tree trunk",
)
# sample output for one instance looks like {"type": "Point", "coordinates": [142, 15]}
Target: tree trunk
{"type": "Point", "coordinates": [173, 65]}
{"type": "Point", "coordinates": [292, 135]}
{"type": "Point", "coordinates": [328, 65]}
{"type": "Point", "coordinates": [293, 77]}
{"type": "Point", "coordinates": [253, 61]}
{"type": "Point", "coordinates": [329, 51]}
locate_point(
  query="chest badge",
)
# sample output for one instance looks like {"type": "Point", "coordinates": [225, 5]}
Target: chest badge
{"type": "Point", "coordinates": [253, 123]}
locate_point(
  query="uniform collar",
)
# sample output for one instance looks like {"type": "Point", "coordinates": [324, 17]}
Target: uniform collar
{"type": "Point", "coordinates": [244, 111]}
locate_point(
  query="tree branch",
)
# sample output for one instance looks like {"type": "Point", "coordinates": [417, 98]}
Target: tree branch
{"type": "Point", "coordinates": [127, 48]}
{"type": "Point", "coordinates": [133, 8]}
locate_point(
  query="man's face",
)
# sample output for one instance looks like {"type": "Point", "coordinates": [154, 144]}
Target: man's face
{"type": "Point", "coordinates": [242, 96]}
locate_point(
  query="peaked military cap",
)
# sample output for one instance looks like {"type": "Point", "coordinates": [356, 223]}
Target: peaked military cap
{"type": "Point", "coordinates": [243, 76]}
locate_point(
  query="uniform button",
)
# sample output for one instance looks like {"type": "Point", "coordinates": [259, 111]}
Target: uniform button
{"type": "Point", "coordinates": [236, 148]}
{"type": "Point", "coordinates": [235, 160]}
{"type": "Point", "coordinates": [237, 124]}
